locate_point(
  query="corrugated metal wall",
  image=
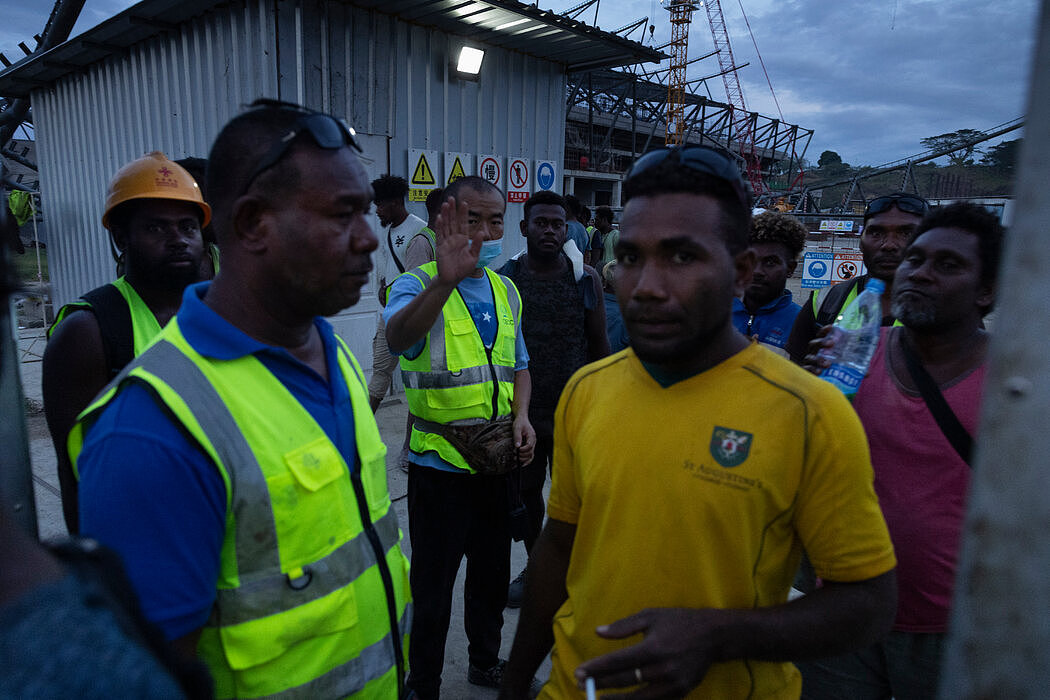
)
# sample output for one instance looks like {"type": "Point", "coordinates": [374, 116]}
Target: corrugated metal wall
{"type": "Point", "coordinates": [175, 91]}
{"type": "Point", "coordinates": [172, 93]}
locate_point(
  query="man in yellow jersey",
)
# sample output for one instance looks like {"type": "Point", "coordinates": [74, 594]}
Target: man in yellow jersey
{"type": "Point", "coordinates": [236, 465]}
{"type": "Point", "coordinates": [154, 213]}
{"type": "Point", "coordinates": [677, 518]}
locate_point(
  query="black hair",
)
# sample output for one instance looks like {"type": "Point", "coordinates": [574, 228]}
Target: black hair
{"type": "Point", "coordinates": [434, 200]}
{"type": "Point", "coordinates": [671, 177]}
{"type": "Point", "coordinates": [198, 170]}
{"type": "Point", "coordinates": [237, 150]}
{"type": "Point", "coordinates": [572, 206]}
{"type": "Point", "coordinates": [585, 215]}
{"type": "Point", "coordinates": [777, 227]}
{"type": "Point", "coordinates": [470, 182]}
{"type": "Point", "coordinates": [544, 197]}
{"type": "Point", "coordinates": [603, 212]}
{"type": "Point", "coordinates": [388, 187]}
{"type": "Point", "coordinates": [974, 219]}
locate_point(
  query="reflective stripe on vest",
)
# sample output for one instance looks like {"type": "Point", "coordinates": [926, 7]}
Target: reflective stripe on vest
{"type": "Point", "coordinates": [300, 609]}
{"type": "Point", "coordinates": [455, 379]}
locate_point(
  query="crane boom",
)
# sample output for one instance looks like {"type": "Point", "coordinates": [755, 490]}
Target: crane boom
{"type": "Point", "coordinates": [742, 131]}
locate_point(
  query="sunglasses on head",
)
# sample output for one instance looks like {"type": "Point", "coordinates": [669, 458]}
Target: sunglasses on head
{"type": "Point", "coordinates": [699, 158]}
{"type": "Point", "coordinates": [905, 202]}
{"type": "Point", "coordinates": [325, 130]}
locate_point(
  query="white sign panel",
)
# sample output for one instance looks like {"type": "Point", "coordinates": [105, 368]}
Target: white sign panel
{"type": "Point", "coordinates": [491, 168]}
{"type": "Point", "coordinates": [518, 179]}
{"type": "Point", "coordinates": [816, 270]}
{"type": "Point", "coordinates": [423, 174]}
{"type": "Point", "coordinates": [457, 165]}
{"type": "Point", "coordinates": [546, 175]}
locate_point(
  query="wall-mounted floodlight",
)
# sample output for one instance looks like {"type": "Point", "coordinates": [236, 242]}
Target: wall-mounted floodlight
{"type": "Point", "coordinates": [469, 63]}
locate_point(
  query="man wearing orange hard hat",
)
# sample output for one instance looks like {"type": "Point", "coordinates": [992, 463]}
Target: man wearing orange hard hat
{"type": "Point", "coordinates": [154, 213]}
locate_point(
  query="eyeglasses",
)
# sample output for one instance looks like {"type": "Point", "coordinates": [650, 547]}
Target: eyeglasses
{"type": "Point", "coordinates": [907, 203]}
{"type": "Point", "coordinates": [699, 158]}
{"type": "Point", "coordinates": [325, 130]}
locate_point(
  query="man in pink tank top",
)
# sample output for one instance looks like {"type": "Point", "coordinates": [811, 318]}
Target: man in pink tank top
{"type": "Point", "coordinates": [942, 290]}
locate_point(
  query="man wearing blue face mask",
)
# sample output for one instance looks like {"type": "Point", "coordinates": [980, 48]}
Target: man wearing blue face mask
{"type": "Point", "coordinates": [456, 326]}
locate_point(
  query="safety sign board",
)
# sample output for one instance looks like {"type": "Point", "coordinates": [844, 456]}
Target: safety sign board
{"type": "Point", "coordinates": [545, 175]}
{"type": "Point", "coordinates": [847, 266]}
{"type": "Point", "coordinates": [518, 180]}
{"type": "Point", "coordinates": [816, 270]}
{"type": "Point", "coordinates": [491, 168]}
{"type": "Point", "coordinates": [421, 165]}
{"type": "Point", "coordinates": [821, 269]}
{"type": "Point", "coordinates": [836, 225]}
{"type": "Point", "coordinates": [457, 165]}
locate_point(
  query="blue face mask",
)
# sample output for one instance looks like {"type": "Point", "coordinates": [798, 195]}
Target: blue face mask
{"type": "Point", "coordinates": [490, 250]}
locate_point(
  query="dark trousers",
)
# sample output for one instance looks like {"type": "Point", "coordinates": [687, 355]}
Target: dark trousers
{"type": "Point", "coordinates": [450, 516]}
{"type": "Point", "coordinates": [533, 476]}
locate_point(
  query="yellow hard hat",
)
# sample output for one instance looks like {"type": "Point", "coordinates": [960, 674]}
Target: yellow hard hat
{"type": "Point", "coordinates": [153, 176]}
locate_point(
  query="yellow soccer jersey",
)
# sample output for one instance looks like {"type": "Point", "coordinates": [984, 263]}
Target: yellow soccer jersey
{"type": "Point", "coordinates": [702, 494]}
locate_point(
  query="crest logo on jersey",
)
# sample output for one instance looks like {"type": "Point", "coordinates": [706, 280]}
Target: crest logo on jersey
{"type": "Point", "coordinates": [730, 447]}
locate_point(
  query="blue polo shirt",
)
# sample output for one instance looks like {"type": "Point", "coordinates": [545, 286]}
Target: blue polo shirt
{"type": "Point", "coordinates": [148, 491]}
{"type": "Point", "coordinates": [478, 297]}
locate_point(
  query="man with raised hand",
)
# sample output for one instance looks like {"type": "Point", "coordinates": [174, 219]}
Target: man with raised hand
{"type": "Point", "coordinates": [457, 326]}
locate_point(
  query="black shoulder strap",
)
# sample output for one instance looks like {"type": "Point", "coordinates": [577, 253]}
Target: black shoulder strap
{"type": "Point", "coordinates": [390, 245]}
{"type": "Point", "coordinates": [114, 321]}
{"type": "Point", "coordinates": [832, 303]}
{"type": "Point", "coordinates": [946, 419]}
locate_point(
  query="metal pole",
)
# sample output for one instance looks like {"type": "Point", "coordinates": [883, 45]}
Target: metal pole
{"type": "Point", "coordinates": [16, 474]}
{"type": "Point", "coordinates": [999, 643]}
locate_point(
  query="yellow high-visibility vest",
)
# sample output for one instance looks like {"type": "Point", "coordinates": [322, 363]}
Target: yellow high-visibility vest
{"type": "Point", "coordinates": [455, 379]}
{"type": "Point", "coordinates": [313, 596]}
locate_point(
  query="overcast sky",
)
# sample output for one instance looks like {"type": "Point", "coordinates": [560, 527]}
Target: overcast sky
{"type": "Point", "coordinates": [870, 78]}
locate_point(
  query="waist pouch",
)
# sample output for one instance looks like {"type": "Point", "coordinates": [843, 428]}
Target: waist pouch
{"type": "Point", "coordinates": [487, 447]}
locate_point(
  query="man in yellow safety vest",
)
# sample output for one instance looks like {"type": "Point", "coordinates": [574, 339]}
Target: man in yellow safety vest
{"type": "Point", "coordinates": [236, 465]}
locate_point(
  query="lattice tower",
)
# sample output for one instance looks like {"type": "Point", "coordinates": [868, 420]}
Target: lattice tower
{"type": "Point", "coordinates": [681, 15]}
{"type": "Point", "coordinates": [742, 133]}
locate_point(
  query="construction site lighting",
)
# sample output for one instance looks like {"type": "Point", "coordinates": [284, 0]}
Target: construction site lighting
{"type": "Point", "coordinates": [469, 62]}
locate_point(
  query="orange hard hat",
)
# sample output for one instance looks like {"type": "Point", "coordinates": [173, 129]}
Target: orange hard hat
{"type": "Point", "coordinates": [153, 176]}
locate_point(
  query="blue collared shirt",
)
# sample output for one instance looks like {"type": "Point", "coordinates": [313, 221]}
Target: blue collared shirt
{"type": "Point", "coordinates": [148, 491]}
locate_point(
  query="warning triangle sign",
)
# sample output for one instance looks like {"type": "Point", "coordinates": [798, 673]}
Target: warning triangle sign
{"type": "Point", "coordinates": [422, 174]}
{"type": "Point", "coordinates": [457, 172]}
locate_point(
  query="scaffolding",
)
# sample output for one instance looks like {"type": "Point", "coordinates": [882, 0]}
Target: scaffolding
{"type": "Point", "coordinates": [613, 116]}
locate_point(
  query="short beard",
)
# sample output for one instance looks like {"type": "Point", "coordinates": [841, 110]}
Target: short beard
{"type": "Point", "coordinates": [914, 316]}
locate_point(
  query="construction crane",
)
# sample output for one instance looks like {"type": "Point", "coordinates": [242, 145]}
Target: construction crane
{"type": "Point", "coordinates": [681, 15]}
{"type": "Point", "coordinates": [741, 132]}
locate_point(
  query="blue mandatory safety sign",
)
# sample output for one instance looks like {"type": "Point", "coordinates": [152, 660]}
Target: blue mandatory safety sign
{"type": "Point", "coordinates": [545, 176]}
{"type": "Point", "coordinates": [816, 270]}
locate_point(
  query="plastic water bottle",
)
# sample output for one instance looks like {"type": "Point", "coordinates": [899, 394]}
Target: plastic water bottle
{"type": "Point", "coordinates": [855, 335]}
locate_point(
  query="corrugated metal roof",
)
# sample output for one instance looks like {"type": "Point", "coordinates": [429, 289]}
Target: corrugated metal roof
{"type": "Point", "coordinates": [503, 23]}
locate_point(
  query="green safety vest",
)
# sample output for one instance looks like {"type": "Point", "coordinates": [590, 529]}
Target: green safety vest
{"type": "Point", "coordinates": [144, 325]}
{"type": "Point", "coordinates": [313, 594]}
{"type": "Point", "coordinates": [455, 379]}
{"type": "Point", "coordinates": [831, 295]}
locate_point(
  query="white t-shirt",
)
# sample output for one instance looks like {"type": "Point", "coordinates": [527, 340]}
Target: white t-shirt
{"type": "Point", "coordinates": [397, 238]}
